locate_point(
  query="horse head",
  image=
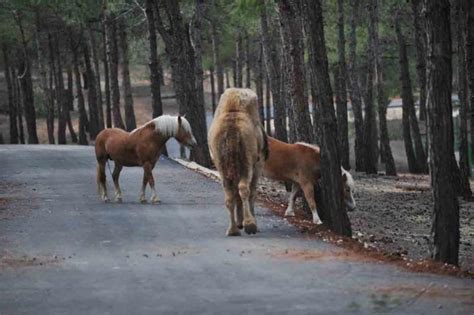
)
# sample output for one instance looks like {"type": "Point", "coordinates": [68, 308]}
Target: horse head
{"type": "Point", "coordinates": [348, 189]}
{"type": "Point", "coordinates": [184, 135]}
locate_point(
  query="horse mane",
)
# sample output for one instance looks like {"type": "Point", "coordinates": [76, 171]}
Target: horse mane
{"type": "Point", "coordinates": [167, 125]}
{"type": "Point", "coordinates": [350, 179]}
{"type": "Point", "coordinates": [312, 146]}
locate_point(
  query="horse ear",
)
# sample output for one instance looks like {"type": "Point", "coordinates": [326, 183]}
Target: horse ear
{"type": "Point", "coordinates": [344, 177]}
{"type": "Point", "coordinates": [179, 120]}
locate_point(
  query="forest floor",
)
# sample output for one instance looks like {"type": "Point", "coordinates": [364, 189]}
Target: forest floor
{"type": "Point", "coordinates": [393, 214]}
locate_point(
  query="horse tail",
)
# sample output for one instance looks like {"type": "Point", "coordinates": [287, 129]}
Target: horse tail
{"type": "Point", "coordinates": [231, 155]}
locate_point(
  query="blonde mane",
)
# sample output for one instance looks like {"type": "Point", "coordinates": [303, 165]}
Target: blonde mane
{"type": "Point", "coordinates": [168, 125]}
{"type": "Point", "coordinates": [312, 146]}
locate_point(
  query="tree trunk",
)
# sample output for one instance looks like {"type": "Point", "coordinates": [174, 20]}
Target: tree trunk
{"type": "Point", "coordinates": [11, 105]}
{"type": "Point", "coordinates": [80, 97]}
{"type": "Point", "coordinates": [182, 60]}
{"type": "Point", "coordinates": [216, 54]}
{"type": "Point", "coordinates": [105, 61]}
{"type": "Point", "coordinates": [227, 79]}
{"type": "Point", "coordinates": [18, 103]}
{"type": "Point", "coordinates": [50, 109]}
{"type": "Point", "coordinates": [259, 83]}
{"type": "Point", "coordinates": [94, 125]}
{"type": "Point", "coordinates": [213, 89]}
{"type": "Point", "coordinates": [420, 44]}
{"type": "Point", "coordinates": [96, 70]}
{"type": "Point", "coordinates": [292, 30]}
{"type": "Point", "coordinates": [156, 104]}
{"type": "Point", "coordinates": [382, 100]}
{"type": "Point", "coordinates": [68, 92]}
{"type": "Point", "coordinates": [461, 34]}
{"type": "Point", "coordinates": [26, 84]}
{"type": "Point", "coordinates": [52, 90]}
{"type": "Point", "coordinates": [113, 58]}
{"type": "Point", "coordinates": [415, 162]}
{"type": "Point", "coordinates": [468, 9]}
{"type": "Point", "coordinates": [370, 144]}
{"type": "Point", "coordinates": [238, 59]}
{"type": "Point", "coordinates": [268, 105]}
{"type": "Point", "coordinates": [248, 62]}
{"type": "Point", "coordinates": [46, 89]}
{"type": "Point", "coordinates": [337, 218]}
{"type": "Point", "coordinates": [445, 227]}
{"type": "Point", "coordinates": [341, 93]}
{"type": "Point", "coordinates": [272, 58]}
{"type": "Point", "coordinates": [354, 89]}
{"type": "Point", "coordinates": [130, 120]}
{"type": "Point", "coordinates": [59, 93]}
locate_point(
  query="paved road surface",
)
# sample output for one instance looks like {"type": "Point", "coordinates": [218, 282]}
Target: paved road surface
{"type": "Point", "coordinates": [62, 251]}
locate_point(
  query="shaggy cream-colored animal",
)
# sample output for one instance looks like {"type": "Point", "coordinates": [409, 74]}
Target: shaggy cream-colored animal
{"type": "Point", "coordinates": [237, 143]}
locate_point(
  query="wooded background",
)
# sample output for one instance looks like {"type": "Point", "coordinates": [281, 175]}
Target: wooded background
{"type": "Point", "coordinates": [308, 60]}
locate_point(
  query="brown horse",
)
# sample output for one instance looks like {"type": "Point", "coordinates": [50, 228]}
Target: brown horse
{"type": "Point", "coordinates": [237, 144]}
{"type": "Point", "coordinates": [299, 164]}
{"type": "Point", "coordinates": [141, 147]}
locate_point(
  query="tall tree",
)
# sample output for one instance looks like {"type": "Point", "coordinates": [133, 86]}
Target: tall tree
{"type": "Point", "coordinates": [83, 121]}
{"type": "Point", "coordinates": [113, 59]}
{"type": "Point", "coordinates": [337, 218]}
{"type": "Point", "coordinates": [95, 62]}
{"type": "Point", "coordinates": [420, 44]}
{"type": "Point", "coordinates": [468, 9]}
{"type": "Point", "coordinates": [273, 64]}
{"type": "Point", "coordinates": [292, 30]}
{"type": "Point", "coordinates": [26, 83]}
{"type": "Point", "coordinates": [445, 227]}
{"type": "Point", "coordinates": [460, 32]}
{"type": "Point", "coordinates": [94, 124]}
{"type": "Point", "coordinates": [153, 63]}
{"type": "Point", "coordinates": [105, 61]}
{"type": "Point", "coordinates": [130, 121]}
{"type": "Point", "coordinates": [382, 101]}
{"type": "Point", "coordinates": [354, 88]}
{"type": "Point", "coordinates": [341, 93]}
{"type": "Point", "coordinates": [239, 58]}
{"type": "Point", "coordinates": [416, 159]}
{"type": "Point", "coordinates": [268, 105]}
{"type": "Point", "coordinates": [216, 46]}
{"type": "Point", "coordinates": [370, 144]}
{"type": "Point", "coordinates": [11, 105]}
{"type": "Point", "coordinates": [175, 34]}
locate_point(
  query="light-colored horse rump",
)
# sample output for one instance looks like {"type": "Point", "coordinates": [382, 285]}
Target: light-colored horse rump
{"type": "Point", "coordinates": [141, 147]}
{"type": "Point", "coordinates": [236, 143]}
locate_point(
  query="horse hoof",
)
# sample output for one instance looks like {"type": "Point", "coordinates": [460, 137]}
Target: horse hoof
{"type": "Point", "coordinates": [240, 226]}
{"type": "Point", "coordinates": [250, 228]}
{"type": "Point", "coordinates": [233, 232]}
{"type": "Point", "coordinates": [289, 213]}
{"type": "Point", "coordinates": [105, 199]}
{"type": "Point", "coordinates": [318, 222]}
{"type": "Point", "coordinates": [155, 201]}
{"type": "Point", "coordinates": [119, 200]}
{"type": "Point", "coordinates": [143, 201]}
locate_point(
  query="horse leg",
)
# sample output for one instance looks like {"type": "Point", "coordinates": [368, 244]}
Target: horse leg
{"type": "Point", "coordinates": [151, 182]}
{"type": "Point", "coordinates": [238, 212]}
{"type": "Point", "coordinates": [308, 191]}
{"type": "Point", "coordinates": [230, 202]}
{"type": "Point", "coordinates": [146, 174]}
{"type": "Point", "coordinates": [250, 226]}
{"type": "Point", "coordinates": [101, 180]}
{"type": "Point", "coordinates": [290, 211]}
{"type": "Point", "coordinates": [115, 176]}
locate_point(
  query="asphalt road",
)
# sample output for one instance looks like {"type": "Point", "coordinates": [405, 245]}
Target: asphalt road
{"type": "Point", "coordinates": [63, 251]}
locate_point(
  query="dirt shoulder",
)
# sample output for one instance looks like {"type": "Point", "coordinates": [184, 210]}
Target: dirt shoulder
{"type": "Point", "coordinates": [392, 221]}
